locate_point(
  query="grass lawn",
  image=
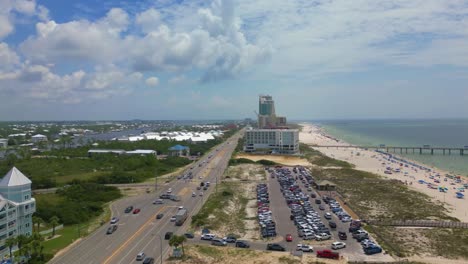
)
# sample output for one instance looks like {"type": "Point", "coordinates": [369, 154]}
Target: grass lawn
{"type": "Point", "coordinates": [67, 235]}
{"type": "Point", "coordinates": [62, 180]}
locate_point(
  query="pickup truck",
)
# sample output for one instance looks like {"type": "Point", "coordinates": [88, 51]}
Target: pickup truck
{"type": "Point", "coordinates": [326, 253]}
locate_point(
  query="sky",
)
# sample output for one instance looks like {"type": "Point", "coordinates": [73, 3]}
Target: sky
{"type": "Point", "coordinates": [202, 59]}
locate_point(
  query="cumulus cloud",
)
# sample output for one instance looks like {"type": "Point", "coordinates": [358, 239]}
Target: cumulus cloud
{"type": "Point", "coordinates": [10, 9]}
{"type": "Point", "coordinates": [148, 20]}
{"type": "Point", "coordinates": [152, 81]}
{"type": "Point", "coordinates": [8, 58]}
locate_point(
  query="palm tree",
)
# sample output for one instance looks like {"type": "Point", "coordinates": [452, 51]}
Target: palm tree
{"type": "Point", "coordinates": [37, 221]}
{"type": "Point", "coordinates": [54, 221]}
{"type": "Point", "coordinates": [177, 241]}
{"type": "Point", "coordinates": [22, 241]}
{"type": "Point", "coordinates": [10, 243]}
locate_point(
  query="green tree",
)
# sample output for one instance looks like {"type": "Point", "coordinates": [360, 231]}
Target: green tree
{"type": "Point", "coordinates": [177, 241]}
{"type": "Point", "coordinates": [10, 243]}
{"type": "Point", "coordinates": [37, 221]}
{"type": "Point", "coordinates": [22, 241]}
{"type": "Point", "coordinates": [54, 221]}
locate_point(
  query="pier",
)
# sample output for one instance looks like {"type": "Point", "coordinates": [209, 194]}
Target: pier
{"type": "Point", "coordinates": [405, 149]}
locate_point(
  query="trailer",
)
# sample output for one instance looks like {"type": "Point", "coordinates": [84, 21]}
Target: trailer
{"type": "Point", "coordinates": [181, 216]}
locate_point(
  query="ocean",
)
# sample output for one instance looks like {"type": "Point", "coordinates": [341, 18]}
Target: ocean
{"type": "Point", "coordinates": [441, 132]}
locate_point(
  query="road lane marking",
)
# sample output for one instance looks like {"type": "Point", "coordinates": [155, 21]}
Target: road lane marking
{"type": "Point", "coordinates": [133, 236]}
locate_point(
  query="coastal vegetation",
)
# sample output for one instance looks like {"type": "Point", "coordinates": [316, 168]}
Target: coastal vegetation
{"type": "Point", "coordinates": [75, 204]}
{"type": "Point", "coordinates": [317, 158]}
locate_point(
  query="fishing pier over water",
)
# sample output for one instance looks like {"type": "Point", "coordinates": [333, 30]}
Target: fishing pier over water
{"type": "Point", "coordinates": [406, 149]}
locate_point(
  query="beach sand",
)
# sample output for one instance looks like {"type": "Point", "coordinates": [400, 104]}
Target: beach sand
{"type": "Point", "coordinates": [371, 161]}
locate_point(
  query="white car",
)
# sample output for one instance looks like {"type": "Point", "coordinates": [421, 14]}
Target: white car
{"type": "Point", "coordinates": [328, 216]}
{"type": "Point", "coordinates": [201, 193]}
{"type": "Point", "coordinates": [194, 194]}
{"type": "Point", "coordinates": [207, 237]}
{"type": "Point", "coordinates": [173, 219]}
{"type": "Point", "coordinates": [323, 236]}
{"type": "Point", "coordinates": [169, 190]}
{"type": "Point", "coordinates": [338, 245]}
{"type": "Point", "coordinates": [304, 248]}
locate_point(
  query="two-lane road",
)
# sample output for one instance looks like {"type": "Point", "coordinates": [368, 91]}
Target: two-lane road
{"type": "Point", "coordinates": [142, 231]}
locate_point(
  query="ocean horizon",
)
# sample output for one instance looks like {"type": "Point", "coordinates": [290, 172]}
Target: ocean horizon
{"type": "Point", "coordinates": [407, 132]}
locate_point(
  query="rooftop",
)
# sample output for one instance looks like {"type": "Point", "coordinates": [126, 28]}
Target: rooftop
{"type": "Point", "coordinates": [14, 178]}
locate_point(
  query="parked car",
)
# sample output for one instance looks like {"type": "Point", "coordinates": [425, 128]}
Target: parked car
{"type": "Point", "coordinates": [322, 236]}
{"type": "Point", "coordinates": [189, 235]}
{"type": "Point", "coordinates": [168, 235]}
{"type": "Point", "coordinates": [275, 247]}
{"type": "Point", "coordinates": [304, 248]}
{"type": "Point", "coordinates": [289, 238]}
{"type": "Point", "coordinates": [114, 220]}
{"type": "Point", "coordinates": [159, 216]}
{"type": "Point", "coordinates": [128, 209]}
{"type": "Point", "coordinates": [230, 239]}
{"type": "Point", "coordinates": [338, 245]}
{"type": "Point", "coordinates": [326, 253]}
{"type": "Point", "coordinates": [194, 194]}
{"type": "Point", "coordinates": [321, 207]}
{"type": "Point", "coordinates": [218, 242]}
{"type": "Point", "coordinates": [328, 216]}
{"type": "Point", "coordinates": [148, 261]}
{"type": "Point", "coordinates": [136, 211]}
{"type": "Point", "coordinates": [332, 224]}
{"type": "Point", "coordinates": [140, 256]}
{"type": "Point", "coordinates": [173, 219]}
{"type": "Point", "coordinates": [207, 237]}
{"type": "Point", "coordinates": [372, 250]}
{"type": "Point", "coordinates": [242, 244]}
{"type": "Point", "coordinates": [342, 235]}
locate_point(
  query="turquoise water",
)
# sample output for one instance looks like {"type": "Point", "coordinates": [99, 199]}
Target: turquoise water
{"type": "Point", "coordinates": [446, 133]}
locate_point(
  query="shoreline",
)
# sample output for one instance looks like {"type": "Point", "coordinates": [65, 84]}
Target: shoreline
{"type": "Point", "coordinates": [389, 166]}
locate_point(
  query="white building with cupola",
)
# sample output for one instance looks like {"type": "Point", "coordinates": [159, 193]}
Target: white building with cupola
{"type": "Point", "coordinates": [16, 207]}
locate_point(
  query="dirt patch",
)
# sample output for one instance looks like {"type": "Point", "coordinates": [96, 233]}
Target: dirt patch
{"type": "Point", "coordinates": [245, 172]}
{"type": "Point", "coordinates": [285, 160]}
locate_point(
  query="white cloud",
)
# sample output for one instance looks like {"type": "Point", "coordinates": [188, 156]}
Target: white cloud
{"type": "Point", "coordinates": [8, 58]}
{"type": "Point", "coordinates": [12, 9]}
{"type": "Point", "coordinates": [152, 81]}
{"type": "Point", "coordinates": [149, 20]}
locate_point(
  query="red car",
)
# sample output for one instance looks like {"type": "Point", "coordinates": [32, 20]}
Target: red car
{"type": "Point", "coordinates": [327, 254]}
{"type": "Point", "coordinates": [136, 211]}
{"type": "Point", "coordinates": [289, 238]}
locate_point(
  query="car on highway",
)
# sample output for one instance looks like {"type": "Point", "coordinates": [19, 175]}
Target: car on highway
{"type": "Point", "coordinates": [111, 229]}
{"type": "Point", "coordinates": [148, 261]}
{"type": "Point", "coordinates": [289, 238]}
{"type": "Point", "coordinates": [201, 193]}
{"type": "Point", "coordinates": [136, 211]}
{"type": "Point", "coordinates": [338, 245]}
{"type": "Point", "coordinates": [140, 256]}
{"type": "Point", "coordinates": [342, 235]}
{"type": "Point", "coordinates": [168, 235]}
{"type": "Point", "coordinates": [207, 237]}
{"type": "Point", "coordinates": [198, 188]}
{"type": "Point", "coordinates": [304, 248]}
{"type": "Point", "coordinates": [158, 201]}
{"type": "Point", "coordinates": [194, 194]}
{"type": "Point", "coordinates": [114, 220]}
{"type": "Point", "coordinates": [128, 209]}
{"type": "Point", "coordinates": [169, 190]}
{"type": "Point", "coordinates": [159, 216]}
{"type": "Point", "coordinates": [218, 242]}
{"type": "Point", "coordinates": [242, 244]}
{"type": "Point", "coordinates": [173, 219]}
{"type": "Point", "coordinates": [275, 247]}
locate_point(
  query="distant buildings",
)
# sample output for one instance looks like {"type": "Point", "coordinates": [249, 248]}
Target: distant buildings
{"type": "Point", "coordinates": [272, 135]}
{"type": "Point", "coordinates": [16, 207]}
{"type": "Point", "coordinates": [192, 137]}
{"type": "Point", "coordinates": [139, 152]}
{"type": "Point", "coordinates": [38, 138]}
{"type": "Point", "coordinates": [3, 142]}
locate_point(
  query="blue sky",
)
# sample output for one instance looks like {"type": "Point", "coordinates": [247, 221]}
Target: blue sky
{"type": "Point", "coordinates": [202, 59]}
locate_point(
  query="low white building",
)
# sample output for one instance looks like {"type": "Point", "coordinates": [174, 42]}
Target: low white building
{"type": "Point", "coordinates": [38, 138]}
{"type": "Point", "coordinates": [142, 152]}
{"type": "Point", "coordinates": [3, 142]}
{"type": "Point", "coordinates": [280, 141]}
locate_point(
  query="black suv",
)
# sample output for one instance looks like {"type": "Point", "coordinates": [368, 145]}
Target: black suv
{"type": "Point", "coordinates": [332, 224]}
{"type": "Point", "coordinates": [159, 216]}
{"type": "Point", "coordinates": [275, 247]}
{"type": "Point", "coordinates": [128, 209]}
{"type": "Point", "coordinates": [242, 244]}
{"type": "Point", "coordinates": [342, 235]}
{"type": "Point", "coordinates": [168, 235]}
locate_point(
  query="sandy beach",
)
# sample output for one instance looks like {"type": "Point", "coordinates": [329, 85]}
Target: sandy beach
{"type": "Point", "coordinates": [381, 164]}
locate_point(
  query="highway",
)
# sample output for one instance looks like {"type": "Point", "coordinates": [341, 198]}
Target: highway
{"type": "Point", "coordinates": [142, 232]}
